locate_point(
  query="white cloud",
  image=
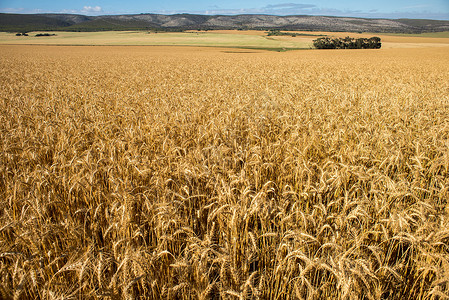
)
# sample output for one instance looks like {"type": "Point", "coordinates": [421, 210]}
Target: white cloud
{"type": "Point", "coordinates": [91, 9]}
{"type": "Point", "coordinates": [87, 10]}
{"type": "Point", "coordinates": [11, 10]}
{"type": "Point", "coordinates": [289, 6]}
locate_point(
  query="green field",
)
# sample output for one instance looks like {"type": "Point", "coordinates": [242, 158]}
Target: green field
{"type": "Point", "coordinates": [203, 39]}
{"type": "Point", "coordinates": [442, 34]}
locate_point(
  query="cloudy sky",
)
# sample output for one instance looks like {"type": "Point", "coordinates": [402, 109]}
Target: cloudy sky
{"type": "Point", "coordinates": [424, 9]}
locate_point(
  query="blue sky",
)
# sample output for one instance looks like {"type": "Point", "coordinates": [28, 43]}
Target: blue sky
{"type": "Point", "coordinates": [430, 9]}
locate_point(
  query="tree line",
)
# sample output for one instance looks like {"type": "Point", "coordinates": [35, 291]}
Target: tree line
{"type": "Point", "coordinates": [277, 32]}
{"type": "Point", "coordinates": [347, 43]}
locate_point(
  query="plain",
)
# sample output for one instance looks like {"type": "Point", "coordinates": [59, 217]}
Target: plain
{"type": "Point", "coordinates": [251, 39]}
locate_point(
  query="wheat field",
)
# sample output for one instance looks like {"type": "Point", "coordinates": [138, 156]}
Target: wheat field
{"type": "Point", "coordinates": [200, 173]}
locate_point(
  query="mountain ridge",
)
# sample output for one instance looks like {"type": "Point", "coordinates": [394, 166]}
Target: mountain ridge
{"type": "Point", "coordinates": [74, 22]}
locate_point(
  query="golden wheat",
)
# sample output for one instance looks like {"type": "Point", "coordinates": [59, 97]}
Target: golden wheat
{"type": "Point", "coordinates": [187, 173]}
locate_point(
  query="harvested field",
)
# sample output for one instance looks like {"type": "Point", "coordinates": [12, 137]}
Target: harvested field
{"type": "Point", "coordinates": [203, 173]}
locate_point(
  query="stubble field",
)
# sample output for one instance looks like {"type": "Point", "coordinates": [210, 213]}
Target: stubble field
{"type": "Point", "coordinates": [201, 173]}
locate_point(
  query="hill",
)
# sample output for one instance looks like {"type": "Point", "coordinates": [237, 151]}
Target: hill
{"type": "Point", "coordinates": [69, 22]}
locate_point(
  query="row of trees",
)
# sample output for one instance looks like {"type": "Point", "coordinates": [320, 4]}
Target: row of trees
{"type": "Point", "coordinates": [277, 32]}
{"type": "Point", "coordinates": [347, 43]}
{"type": "Point", "coordinates": [45, 34]}
{"type": "Point", "coordinates": [39, 34]}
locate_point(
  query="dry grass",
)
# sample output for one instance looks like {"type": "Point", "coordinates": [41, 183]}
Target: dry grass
{"type": "Point", "coordinates": [138, 38]}
{"type": "Point", "coordinates": [170, 173]}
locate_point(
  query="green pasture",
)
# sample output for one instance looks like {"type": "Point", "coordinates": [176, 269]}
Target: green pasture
{"type": "Point", "coordinates": [442, 34]}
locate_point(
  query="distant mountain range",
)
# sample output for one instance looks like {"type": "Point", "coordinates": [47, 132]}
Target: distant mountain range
{"type": "Point", "coordinates": [69, 22]}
